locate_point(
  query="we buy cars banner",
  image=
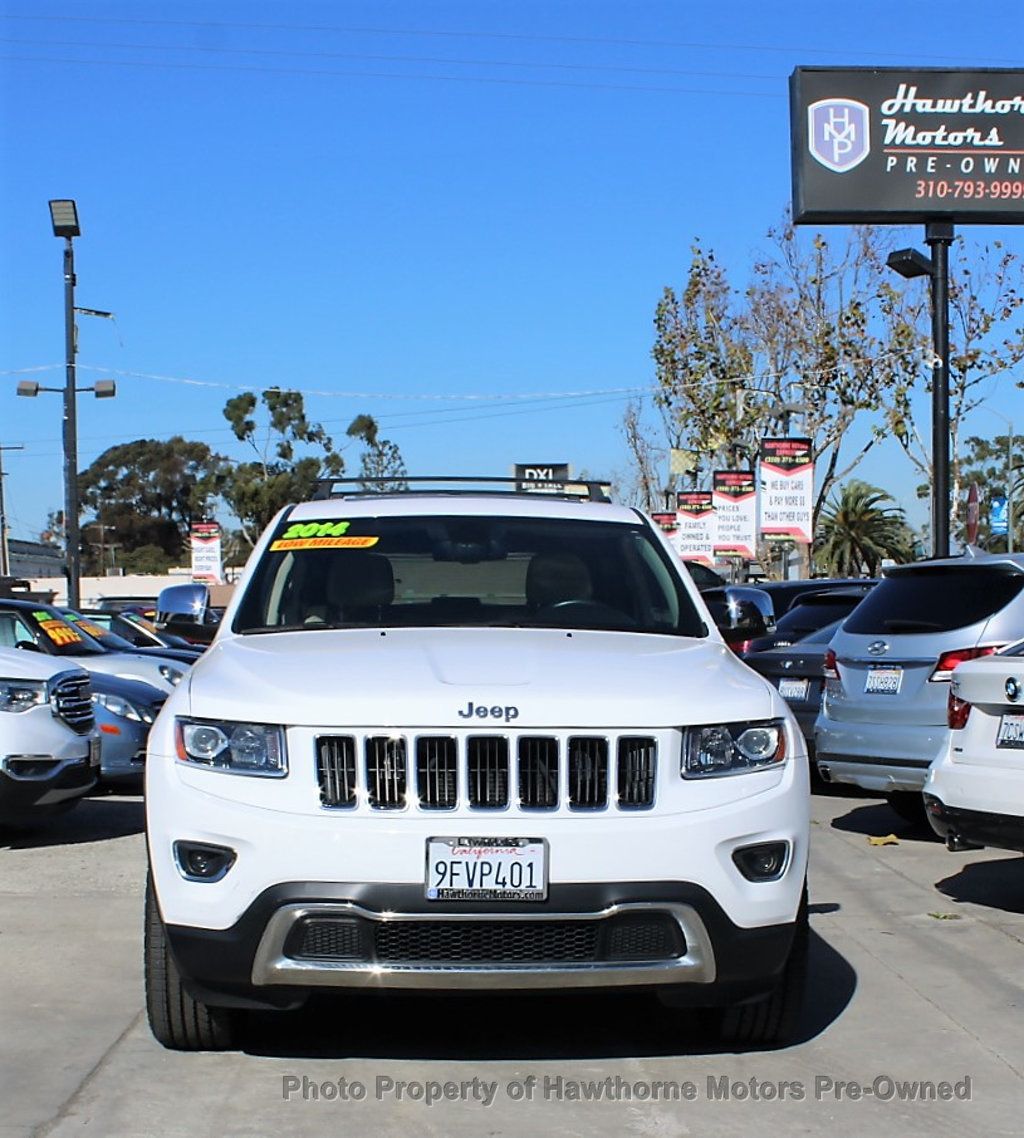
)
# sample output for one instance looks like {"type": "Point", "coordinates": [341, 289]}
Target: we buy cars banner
{"type": "Point", "coordinates": [695, 526]}
{"type": "Point", "coordinates": [734, 496]}
{"type": "Point", "coordinates": [787, 489]}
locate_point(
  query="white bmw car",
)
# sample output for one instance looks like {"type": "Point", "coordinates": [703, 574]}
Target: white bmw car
{"type": "Point", "coordinates": [974, 794]}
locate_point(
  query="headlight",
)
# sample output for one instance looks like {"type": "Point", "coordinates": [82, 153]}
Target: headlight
{"type": "Point", "coordinates": [118, 705]}
{"type": "Point", "coordinates": [732, 748]}
{"type": "Point", "coordinates": [20, 695]}
{"type": "Point", "coordinates": [171, 675]}
{"type": "Point", "coordinates": [238, 748]}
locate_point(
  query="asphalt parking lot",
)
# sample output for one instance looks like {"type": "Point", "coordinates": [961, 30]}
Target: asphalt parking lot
{"type": "Point", "coordinates": [917, 989]}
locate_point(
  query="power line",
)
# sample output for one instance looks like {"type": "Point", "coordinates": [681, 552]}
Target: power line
{"type": "Point", "coordinates": [450, 33]}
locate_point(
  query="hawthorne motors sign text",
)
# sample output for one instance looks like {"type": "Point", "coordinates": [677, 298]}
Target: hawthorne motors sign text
{"type": "Point", "coordinates": [899, 145]}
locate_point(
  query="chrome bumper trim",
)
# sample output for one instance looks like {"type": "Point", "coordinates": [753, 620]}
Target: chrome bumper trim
{"type": "Point", "coordinates": [271, 966]}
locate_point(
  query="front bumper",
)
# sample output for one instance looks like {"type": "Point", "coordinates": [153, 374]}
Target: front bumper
{"type": "Point", "coordinates": [35, 785]}
{"type": "Point", "coordinates": [393, 939]}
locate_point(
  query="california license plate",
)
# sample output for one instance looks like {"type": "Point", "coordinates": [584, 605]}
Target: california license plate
{"type": "Point", "coordinates": [793, 689]}
{"type": "Point", "coordinates": [487, 869]}
{"type": "Point", "coordinates": [884, 681]}
{"type": "Point", "coordinates": [1011, 732]}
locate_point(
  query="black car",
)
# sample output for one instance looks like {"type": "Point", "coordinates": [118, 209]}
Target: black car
{"type": "Point", "coordinates": [785, 594]}
{"type": "Point", "coordinates": [114, 643]}
{"type": "Point", "coordinates": [807, 614]}
{"type": "Point", "coordinates": [797, 671]}
{"type": "Point", "coordinates": [137, 630]}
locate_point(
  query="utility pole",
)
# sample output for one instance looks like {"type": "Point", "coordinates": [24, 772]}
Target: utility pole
{"type": "Point", "coordinates": [5, 552]}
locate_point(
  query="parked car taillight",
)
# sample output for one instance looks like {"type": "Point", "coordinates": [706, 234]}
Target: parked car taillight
{"type": "Point", "coordinates": [830, 666]}
{"type": "Point", "coordinates": [957, 711]}
{"type": "Point", "coordinates": [948, 661]}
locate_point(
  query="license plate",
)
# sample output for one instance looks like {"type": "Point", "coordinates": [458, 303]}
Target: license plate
{"type": "Point", "coordinates": [487, 869]}
{"type": "Point", "coordinates": [1011, 732]}
{"type": "Point", "coordinates": [94, 752]}
{"type": "Point", "coordinates": [884, 681]}
{"type": "Point", "coordinates": [793, 689]}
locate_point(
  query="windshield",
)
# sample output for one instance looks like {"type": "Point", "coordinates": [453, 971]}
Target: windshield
{"type": "Point", "coordinates": [47, 631]}
{"type": "Point", "coordinates": [456, 571]}
{"type": "Point", "coordinates": [104, 636]}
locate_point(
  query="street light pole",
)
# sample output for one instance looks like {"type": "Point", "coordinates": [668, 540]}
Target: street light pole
{"type": "Point", "coordinates": [71, 533]}
{"type": "Point", "coordinates": [912, 263]}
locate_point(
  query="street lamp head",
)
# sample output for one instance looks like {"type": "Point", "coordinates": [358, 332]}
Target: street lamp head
{"type": "Point", "coordinates": [28, 387]}
{"type": "Point", "coordinates": [910, 263]}
{"type": "Point", "coordinates": [105, 389]}
{"type": "Point", "coordinates": [64, 216]}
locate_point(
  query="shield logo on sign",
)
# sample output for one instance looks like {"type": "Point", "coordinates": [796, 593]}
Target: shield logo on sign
{"type": "Point", "coordinates": [839, 133]}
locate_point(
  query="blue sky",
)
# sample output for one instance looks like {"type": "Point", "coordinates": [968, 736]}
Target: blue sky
{"type": "Point", "coordinates": [387, 204]}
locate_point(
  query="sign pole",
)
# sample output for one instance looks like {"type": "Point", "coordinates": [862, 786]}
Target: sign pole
{"type": "Point", "coordinates": [939, 237]}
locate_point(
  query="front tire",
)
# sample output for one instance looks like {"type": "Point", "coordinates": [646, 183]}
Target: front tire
{"type": "Point", "coordinates": [178, 1021]}
{"type": "Point", "coordinates": [775, 1018]}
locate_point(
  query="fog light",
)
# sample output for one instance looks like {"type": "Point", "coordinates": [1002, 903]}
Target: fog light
{"type": "Point", "coordinates": [198, 861]}
{"type": "Point", "coordinates": [764, 862]}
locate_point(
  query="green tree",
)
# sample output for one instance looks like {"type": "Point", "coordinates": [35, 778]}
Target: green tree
{"type": "Point", "coordinates": [147, 493]}
{"type": "Point", "coordinates": [995, 467]}
{"type": "Point", "coordinates": [380, 458]}
{"type": "Point", "coordinates": [256, 490]}
{"type": "Point", "coordinates": [733, 366]}
{"type": "Point", "coordinates": [986, 333]}
{"type": "Point", "coordinates": [858, 528]}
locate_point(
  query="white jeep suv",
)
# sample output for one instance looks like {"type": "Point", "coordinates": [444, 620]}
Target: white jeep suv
{"type": "Point", "coordinates": [472, 740]}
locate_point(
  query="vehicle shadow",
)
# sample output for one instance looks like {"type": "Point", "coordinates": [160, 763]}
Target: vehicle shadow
{"type": "Point", "coordinates": [91, 820]}
{"type": "Point", "coordinates": [995, 884]}
{"type": "Point", "coordinates": [508, 1027]}
{"type": "Point", "coordinates": [879, 819]}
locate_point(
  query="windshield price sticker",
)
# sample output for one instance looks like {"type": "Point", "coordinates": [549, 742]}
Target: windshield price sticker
{"type": "Point", "coordinates": [884, 681]}
{"type": "Point", "coordinates": [793, 689]}
{"type": "Point", "coordinates": [57, 630]}
{"type": "Point", "coordinates": [320, 535]}
{"type": "Point", "coordinates": [487, 869]}
{"type": "Point", "coordinates": [1011, 732]}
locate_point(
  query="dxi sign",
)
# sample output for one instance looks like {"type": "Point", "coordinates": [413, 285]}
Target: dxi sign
{"type": "Point", "coordinates": [547, 478]}
{"type": "Point", "coordinates": [904, 145]}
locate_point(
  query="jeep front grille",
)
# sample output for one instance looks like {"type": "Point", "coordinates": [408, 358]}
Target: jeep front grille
{"type": "Point", "coordinates": [487, 772]}
{"type": "Point", "coordinates": [588, 773]}
{"type": "Point", "coordinates": [636, 771]}
{"type": "Point", "coordinates": [385, 771]}
{"type": "Point", "coordinates": [336, 770]}
{"type": "Point", "coordinates": [437, 772]}
{"type": "Point", "coordinates": [72, 701]}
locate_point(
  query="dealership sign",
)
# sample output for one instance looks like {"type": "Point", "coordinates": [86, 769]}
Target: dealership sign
{"type": "Point", "coordinates": [787, 489]}
{"type": "Point", "coordinates": [695, 526]}
{"type": "Point", "coordinates": [902, 145]}
{"type": "Point", "coordinates": [734, 496]}
{"type": "Point", "coordinates": [206, 556]}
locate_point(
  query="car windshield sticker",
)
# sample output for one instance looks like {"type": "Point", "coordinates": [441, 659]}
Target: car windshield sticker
{"type": "Point", "coordinates": [57, 630]}
{"type": "Point", "coordinates": [320, 535]}
{"type": "Point", "coordinates": [88, 628]}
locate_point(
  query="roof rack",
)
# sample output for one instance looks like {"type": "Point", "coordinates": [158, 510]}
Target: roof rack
{"type": "Point", "coordinates": [573, 489]}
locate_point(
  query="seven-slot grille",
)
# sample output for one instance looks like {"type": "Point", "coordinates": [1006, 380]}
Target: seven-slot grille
{"type": "Point", "coordinates": [71, 698]}
{"type": "Point", "coordinates": [441, 772]}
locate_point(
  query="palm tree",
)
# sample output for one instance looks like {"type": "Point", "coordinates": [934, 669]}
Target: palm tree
{"type": "Point", "coordinates": [857, 529]}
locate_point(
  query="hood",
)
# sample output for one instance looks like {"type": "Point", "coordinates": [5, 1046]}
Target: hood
{"type": "Point", "coordinates": [18, 664]}
{"type": "Point", "coordinates": [465, 678]}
